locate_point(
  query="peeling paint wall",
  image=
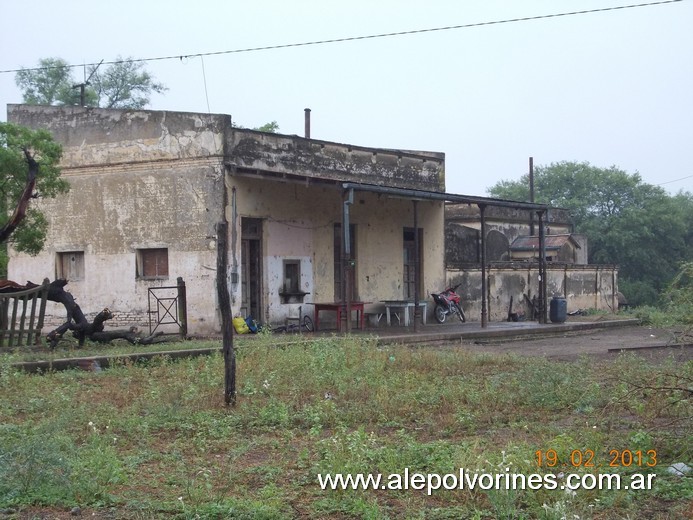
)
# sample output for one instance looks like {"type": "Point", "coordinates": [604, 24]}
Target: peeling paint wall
{"type": "Point", "coordinates": [147, 179]}
{"type": "Point", "coordinates": [138, 180]}
{"type": "Point", "coordinates": [509, 222]}
{"type": "Point", "coordinates": [296, 155]}
{"type": "Point", "coordinates": [97, 136]}
{"type": "Point", "coordinates": [298, 224]}
{"type": "Point", "coordinates": [584, 287]}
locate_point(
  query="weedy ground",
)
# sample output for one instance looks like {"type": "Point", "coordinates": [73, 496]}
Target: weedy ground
{"type": "Point", "coordinates": [155, 440]}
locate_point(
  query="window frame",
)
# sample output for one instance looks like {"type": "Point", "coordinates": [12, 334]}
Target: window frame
{"type": "Point", "coordinates": [295, 285]}
{"type": "Point", "coordinates": [144, 258]}
{"type": "Point", "coordinates": [67, 272]}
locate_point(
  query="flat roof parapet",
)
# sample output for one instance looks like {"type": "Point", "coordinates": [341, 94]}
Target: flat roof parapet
{"type": "Point", "coordinates": [294, 155]}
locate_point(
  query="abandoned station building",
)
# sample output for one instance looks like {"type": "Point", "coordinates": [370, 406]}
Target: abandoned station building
{"type": "Point", "coordinates": [150, 188]}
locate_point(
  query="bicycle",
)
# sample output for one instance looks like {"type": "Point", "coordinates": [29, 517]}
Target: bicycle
{"type": "Point", "coordinates": [302, 321]}
{"type": "Point", "coordinates": [305, 323]}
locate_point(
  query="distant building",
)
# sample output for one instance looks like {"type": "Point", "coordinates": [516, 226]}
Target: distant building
{"type": "Point", "coordinates": [512, 255]}
{"type": "Point", "coordinates": [557, 248]}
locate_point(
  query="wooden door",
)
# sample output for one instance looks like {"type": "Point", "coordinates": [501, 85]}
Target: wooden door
{"type": "Point", "coordinates": [251, 268]}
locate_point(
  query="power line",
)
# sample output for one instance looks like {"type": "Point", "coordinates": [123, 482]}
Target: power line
{"type": "Point", "coordinates": [366, 37]}
{"type": "Point", "coordinates": [675, 180]}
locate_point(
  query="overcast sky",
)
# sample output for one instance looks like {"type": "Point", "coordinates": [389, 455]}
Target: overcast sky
{"type": "Point", "coordinates": [611, 88]}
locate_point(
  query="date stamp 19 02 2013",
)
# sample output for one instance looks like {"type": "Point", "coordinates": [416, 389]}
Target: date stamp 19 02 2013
{"type": "Point", "coordinates": [588, 459]}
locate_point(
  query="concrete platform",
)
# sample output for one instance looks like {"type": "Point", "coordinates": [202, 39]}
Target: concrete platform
{"type": "Point", "coordinates": [455, 332]}
{"type": "Point", "coordinates": [430, 334]}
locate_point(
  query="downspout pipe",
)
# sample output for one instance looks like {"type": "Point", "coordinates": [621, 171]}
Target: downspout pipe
{"type": "Point", "coordinates": [346, 257]}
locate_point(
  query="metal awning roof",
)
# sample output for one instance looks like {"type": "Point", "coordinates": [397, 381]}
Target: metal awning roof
{"type": "Point", "coordinates": [443, 197]}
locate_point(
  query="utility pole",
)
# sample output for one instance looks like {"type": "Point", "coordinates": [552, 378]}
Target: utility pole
{"type": "Point", "coordinates": [531, 195]}
{"type": "Point", "coordinates": [82, 86]}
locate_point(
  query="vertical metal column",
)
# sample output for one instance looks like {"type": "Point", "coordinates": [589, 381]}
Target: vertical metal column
{"type": "Point", "coordinates": [417, 263]}
{"type": "Point", "coordinates": [346, 259]}
{"type": "Point", "coordinates": [531, 195]}
{"type": "Point", "coordinates": [542, 267]}
{"type": "Point", "coordinates": [484, 288]}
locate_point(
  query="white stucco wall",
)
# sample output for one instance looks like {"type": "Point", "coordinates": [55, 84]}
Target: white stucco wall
{"type": "Point", "coordinates": [125, 211]}
{"type": "Point", "coordinates": [298, 224]}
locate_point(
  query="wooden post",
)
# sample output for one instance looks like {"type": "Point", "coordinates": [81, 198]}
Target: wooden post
{"type": "Point", "coordinates": [182, 307]}
{"type": "Point", "coordinates": [226, 318]}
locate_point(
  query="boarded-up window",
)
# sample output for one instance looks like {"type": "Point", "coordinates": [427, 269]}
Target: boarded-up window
{"type": "Point", "coordinates": [152, 263]}
{"type": "Point", "coordinates": [70, 265]}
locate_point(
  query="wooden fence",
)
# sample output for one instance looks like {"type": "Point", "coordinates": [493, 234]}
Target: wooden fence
{"type": "Point", "coordinates": [21, 315]}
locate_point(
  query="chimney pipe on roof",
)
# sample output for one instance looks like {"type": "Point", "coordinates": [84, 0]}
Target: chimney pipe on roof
{"type": "Point", "coordinates": [307, 132]}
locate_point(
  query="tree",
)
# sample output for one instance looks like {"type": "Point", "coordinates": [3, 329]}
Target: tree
{"type": "Point", "coordinates": [28, 170]}
{"type": "Point", "coordinates": [123, 84]}
{"type": "Point", "coordinates": [272, 127]}
{"type": "Point", "coordinates": [630, 223]}
{"type": "Point", "coordinates": [50, 83]}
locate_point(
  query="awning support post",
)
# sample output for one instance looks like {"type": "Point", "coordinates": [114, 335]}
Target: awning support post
{"type": "Point", "coordinates": [484, 288]}
{"type": "Point", "coordinates": [346, 259]}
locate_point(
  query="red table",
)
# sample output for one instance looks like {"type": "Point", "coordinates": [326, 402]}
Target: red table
{"type": "Point", "coordinates": [338, 307]}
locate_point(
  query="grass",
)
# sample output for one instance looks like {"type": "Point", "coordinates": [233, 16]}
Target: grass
{"type": "Point", "coordinates": [155, 441]}
{"type": "Point", "coordinates": [69, 348]}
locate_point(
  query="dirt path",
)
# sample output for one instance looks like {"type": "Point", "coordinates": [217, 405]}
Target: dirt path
{"type": "Point", "coordinates": [655, 344]}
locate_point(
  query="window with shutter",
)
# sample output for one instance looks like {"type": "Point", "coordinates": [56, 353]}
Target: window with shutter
{"type": "Point", "coordinates": [152, 263]}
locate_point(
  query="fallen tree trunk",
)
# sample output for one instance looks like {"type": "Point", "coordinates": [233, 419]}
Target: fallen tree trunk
{"type": "Point", "coordinates": [81, 328]}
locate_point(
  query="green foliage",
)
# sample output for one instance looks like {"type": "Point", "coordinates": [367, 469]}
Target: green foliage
{"type": "Point", "coordinates": [4, 261]}
{"type": "Point", "coordinates": [45, 466]}
{"type": "Point", "coordinates": [14, 139]}
{"type": "Point", "coordinates": [271, 127]}
{"type": "Point", "coordinates": [123, 84]}
{"type": "Point", "coordinates": [630, 223]}
{"type": "Point", "coordinates": [50, 83]}
{"type": "Point", "coordinates": [639, 292]}
{"type": "Point", "coordinates": [33, 467]}
{"type": "Point", "coordinates": [154, 440]}
{"type": "Point", "coordinates": [679, 294]}
{"type": "Point", "coordinates": [677, 304]}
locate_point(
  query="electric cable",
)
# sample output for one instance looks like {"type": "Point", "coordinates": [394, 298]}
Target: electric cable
{"type": "Point", "coordinates": [365, 37]}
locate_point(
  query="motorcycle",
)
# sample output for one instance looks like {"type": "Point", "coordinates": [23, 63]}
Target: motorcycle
{"type": "Point", "coordinates": [448, 302]}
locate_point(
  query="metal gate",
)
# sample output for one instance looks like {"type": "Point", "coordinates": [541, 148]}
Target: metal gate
{"type": "Point", "coordinates": [168, 306]}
